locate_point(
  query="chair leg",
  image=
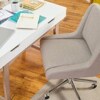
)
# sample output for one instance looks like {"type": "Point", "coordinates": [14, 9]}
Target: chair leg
{"type": "Point", "coordinates": [50, 91]}
{"type": "Point", "coordinates": [94, 83]}
{"type": "Point", "coordinates": [74, 88]}
{"type": "Point", "coordinates": [70, 81]}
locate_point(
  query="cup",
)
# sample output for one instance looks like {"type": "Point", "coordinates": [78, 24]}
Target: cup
{"type": "Point", "coordinates": [15, 6]}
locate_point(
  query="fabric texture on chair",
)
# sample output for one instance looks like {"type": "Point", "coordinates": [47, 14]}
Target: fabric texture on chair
{"type": "Point", "coordinates": [64, 52]}
{"type": "Point", "coordinates": [91, 31]}
{"type": "Point", "coordinates": [75, 54]}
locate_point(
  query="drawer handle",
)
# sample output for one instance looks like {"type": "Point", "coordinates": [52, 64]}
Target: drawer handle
{"type": "Point", "coordinates": [15, 48]}
{"type": "Point", "coordinates": [51, 20]}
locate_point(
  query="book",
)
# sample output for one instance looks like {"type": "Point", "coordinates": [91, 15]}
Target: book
{"type": "Point", "coordinates": [28, 21]}
{"type": "Point", "coordinates": [32, 4]}
{"type": "Point", "coordinates": [16, 16]}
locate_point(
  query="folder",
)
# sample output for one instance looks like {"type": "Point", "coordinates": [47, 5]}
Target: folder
{"type": "Point", "coordinates": [16, 16]}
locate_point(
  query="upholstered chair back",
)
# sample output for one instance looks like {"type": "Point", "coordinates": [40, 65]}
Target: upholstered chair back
{"type": "Point", "coordinates": [91, 29]}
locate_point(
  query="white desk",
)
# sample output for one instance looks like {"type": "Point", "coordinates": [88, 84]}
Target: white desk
{"type": "Point", "coordinates": [22, 38]}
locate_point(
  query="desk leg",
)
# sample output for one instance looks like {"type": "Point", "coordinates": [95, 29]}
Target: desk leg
{"type": "Point", "coordinates": [56, 29]}
{"type": "Point", "coordinates": [24, 55]}
{"type": "Point", "coordinates": [6, 82]}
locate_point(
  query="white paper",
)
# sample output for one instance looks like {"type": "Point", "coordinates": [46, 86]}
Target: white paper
{"type": "Point", "coordinates": [28, 21]}
{"type": "Point", "coordinates": [4, 14]}
{"type": "Point", "coordinates": [1, 14]}
{"type": "Point", "coordinates": [8, 7]}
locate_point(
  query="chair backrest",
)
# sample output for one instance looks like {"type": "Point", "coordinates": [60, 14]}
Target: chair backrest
{"type": "Point", "coordinates": [91, 29]}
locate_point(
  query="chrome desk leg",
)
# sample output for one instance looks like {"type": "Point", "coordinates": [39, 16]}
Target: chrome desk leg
{"type": "Point", "coordinates": [6, 82]}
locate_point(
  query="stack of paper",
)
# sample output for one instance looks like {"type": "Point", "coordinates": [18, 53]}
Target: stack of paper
{"type": "Point", "coordinates": [32, 4]}
{"type": "Point", "coordinates": [28, 21]}
{"type": "Point", "coordinates": [4, 15]}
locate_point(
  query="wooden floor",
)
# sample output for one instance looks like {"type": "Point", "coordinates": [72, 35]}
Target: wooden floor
{"type": "Point", "coordinates": [27, 76]}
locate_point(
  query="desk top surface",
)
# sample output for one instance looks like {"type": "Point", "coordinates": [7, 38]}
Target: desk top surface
{"type": "Point", "coordinates": [49, 10]}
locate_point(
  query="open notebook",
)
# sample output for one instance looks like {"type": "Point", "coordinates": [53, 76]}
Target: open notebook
{"type": "Point", "coordinates": [28, 21]}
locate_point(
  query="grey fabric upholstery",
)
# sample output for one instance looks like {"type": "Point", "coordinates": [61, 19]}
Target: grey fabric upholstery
{"type": "Point", "coordinates": [91, 31]}
{"type": "Point", "coordinates": [64, 52]}
{"type": "Point", "coordinates": [77, 54]}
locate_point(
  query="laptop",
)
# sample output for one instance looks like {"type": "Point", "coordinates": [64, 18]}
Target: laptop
{"type": "Point", "coordinates": [5, 34]}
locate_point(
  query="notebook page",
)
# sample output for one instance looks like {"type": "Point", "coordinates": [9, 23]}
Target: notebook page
{"type": "Point", "coordinates": [28, 21]}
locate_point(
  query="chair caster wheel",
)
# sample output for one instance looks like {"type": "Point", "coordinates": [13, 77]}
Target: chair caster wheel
{"type": "Point", "coordinates": [93, 86]}
{"type": "Point", "coordinates": [47, 97]}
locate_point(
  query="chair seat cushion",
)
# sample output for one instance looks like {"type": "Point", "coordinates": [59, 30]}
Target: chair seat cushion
{"type": "Point", "coordinates": [59, 52]}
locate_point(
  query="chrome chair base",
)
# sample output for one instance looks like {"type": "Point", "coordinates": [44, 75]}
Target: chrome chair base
{"type": "Point", "coordinates": [71, 81]}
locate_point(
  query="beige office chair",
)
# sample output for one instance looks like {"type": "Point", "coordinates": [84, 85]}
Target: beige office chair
{"type": "Point", "coordinates": [74, 55]}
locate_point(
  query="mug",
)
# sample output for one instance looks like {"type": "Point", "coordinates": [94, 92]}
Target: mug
{"type": "Point", "coordinates": [15, 6]}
